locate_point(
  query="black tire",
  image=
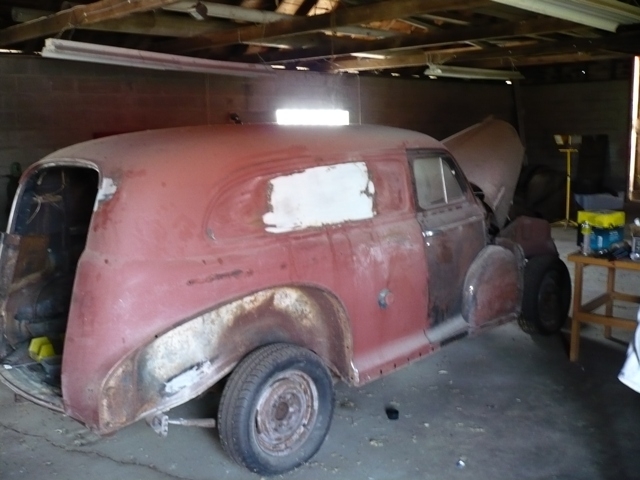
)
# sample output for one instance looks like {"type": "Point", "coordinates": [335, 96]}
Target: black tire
{"type": "Point", "coordinates": [546, 296]}
{"type": "Point", "coordinates": [276, 409]}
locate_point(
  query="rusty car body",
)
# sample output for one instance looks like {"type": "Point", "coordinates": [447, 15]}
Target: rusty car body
{"type": "Point", "coordinates": [158, 263]}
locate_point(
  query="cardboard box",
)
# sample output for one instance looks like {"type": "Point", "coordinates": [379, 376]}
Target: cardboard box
{"type": "Point", "coordinates": [607, 227]}
{"type": "Point", "coordinates": [602, 238]}
{"type": "Point", "coordinates": [602, 218]}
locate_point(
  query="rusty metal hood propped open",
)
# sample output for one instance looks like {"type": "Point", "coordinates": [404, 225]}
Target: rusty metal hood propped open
{"type": "Point", "coordinates": [490, 154]}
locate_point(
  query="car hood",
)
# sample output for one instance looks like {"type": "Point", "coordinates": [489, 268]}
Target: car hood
{"type": "Point", "coordinates": [490, 154]}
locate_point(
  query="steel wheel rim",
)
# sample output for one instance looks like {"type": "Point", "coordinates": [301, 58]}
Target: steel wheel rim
{"type": "Point", "coordinates": [286, 412]}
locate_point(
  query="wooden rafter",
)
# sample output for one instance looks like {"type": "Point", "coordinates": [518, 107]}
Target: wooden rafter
{"type": "Point", "coordinates": [384, 10]}
{"type": "Point", "coordinates": [575, 57]}
{"type": "Point", "coordinates": [75, 17]}
{"type": "Point", "coordinates": [290, 7]}
{"type": "Point", "coordinates": [444, 37]}
{"type": "Point", "coordinates": [625, 42]}
{"type": "Point", "coordinates": [505, 56]}
{"type": "Point", "coordinates": [146, 23]}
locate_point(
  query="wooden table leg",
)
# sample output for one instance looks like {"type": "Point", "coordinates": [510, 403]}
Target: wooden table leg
{"type": "Point", "coordinates": [611, 283]}
{"type": "Point", "coordinates": [574, 346]}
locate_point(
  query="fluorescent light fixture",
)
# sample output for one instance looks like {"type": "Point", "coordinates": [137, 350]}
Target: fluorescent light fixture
{"type": "Point", "coordinates": [473, 73]}
{"type": "Point", "coordinates": [8, 50]}
{"type": "Point", "coordinates": [302, 69]}
{"type": "Point", "coordinates": [89, 52]}
{"type": "Point", "coordinates": [602, 14]}
{"type": "Point", "coordinates": [287, 116]}
{"type": "Point", "coordinates": [376, 56]}
{"type": "Point", "coordinates": [278, 67]}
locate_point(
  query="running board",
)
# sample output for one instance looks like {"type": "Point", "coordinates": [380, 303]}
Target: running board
{"type": "Point", "coordinates": [452, 327]}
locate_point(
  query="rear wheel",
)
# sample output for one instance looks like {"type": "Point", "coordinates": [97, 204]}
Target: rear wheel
{"type": "Point", "coordinates": [276, 409]}
{"type": "Point", "coordinates": [546, 296]}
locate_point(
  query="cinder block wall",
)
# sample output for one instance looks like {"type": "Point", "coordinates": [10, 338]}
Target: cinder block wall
{"type": "Point", "coordinates": [48, 104]}
{"type": "Point", "coordinates": [579, 108]}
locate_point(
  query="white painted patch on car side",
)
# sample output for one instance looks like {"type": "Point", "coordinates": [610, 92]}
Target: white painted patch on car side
{"type": "Point", "coordinates": [105, 192]}
{"type": "Point", "coordinates": [318, 196]}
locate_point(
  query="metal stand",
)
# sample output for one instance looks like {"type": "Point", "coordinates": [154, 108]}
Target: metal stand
{"type": "Point", "coordinates": [567, 222]}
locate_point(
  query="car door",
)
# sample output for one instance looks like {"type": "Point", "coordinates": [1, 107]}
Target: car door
{"type": "Point", "coordinates": [453, 230]}
{"type": "Point", "coordinates": [383, 273]}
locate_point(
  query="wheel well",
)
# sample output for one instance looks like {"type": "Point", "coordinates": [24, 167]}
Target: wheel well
{"type": "Point", "coordinates": [188, 359]}
{"type": "Point", "coordinates": [302, 315]}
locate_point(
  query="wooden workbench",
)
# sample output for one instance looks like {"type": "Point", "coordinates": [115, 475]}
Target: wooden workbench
{"type": "Point", "coordinates": [584, 313]}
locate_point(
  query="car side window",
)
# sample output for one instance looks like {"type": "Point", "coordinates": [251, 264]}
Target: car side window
{"type": "Point", "coordinates": [437, 181]}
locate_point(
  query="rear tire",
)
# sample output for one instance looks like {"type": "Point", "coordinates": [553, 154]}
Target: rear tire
{"type": "Point", "coordinates": [546, 296]}
{"type": "Point", "coordinates": [276, 409]}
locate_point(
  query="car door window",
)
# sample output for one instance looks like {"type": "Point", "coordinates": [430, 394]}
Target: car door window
{"type": "Point", "coordinates": [437, 181]}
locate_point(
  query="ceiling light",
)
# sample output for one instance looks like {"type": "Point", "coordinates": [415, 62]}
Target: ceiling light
{"type": "Point", "coordinates": [294, 116]}
{"type": "Point", "coordinates": [394, 74]}
{"type": "Point", "coordinates": [278, 67]}
{"type": "Point", "coordinates": [602, 14]}
{"type": "Point", "coordinates": [472, 73]}
{"type": "Point", "coordinates": [304, 69]}
{"type": "Point", "coordinates": [89, 52]}
{"type": "Point", "coordinates": [508, 82]}
{"type": "Point", "coordinates": [376, 56]}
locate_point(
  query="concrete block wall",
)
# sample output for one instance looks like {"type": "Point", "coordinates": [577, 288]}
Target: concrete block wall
{"type": "Point", "coordinates": [48, 104]}
{"type": "Point", "coordinates": [439, 108]}
{"type": "Point", "coordinates": [579, 108]}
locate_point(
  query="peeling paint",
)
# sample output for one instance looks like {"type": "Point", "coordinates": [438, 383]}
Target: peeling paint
{"type": "Point", "coordinates": [318, 196]}
{"type": "Point", "coordinates": [187, 378]}
{"type": "Point", "coordinates": [106, 191]}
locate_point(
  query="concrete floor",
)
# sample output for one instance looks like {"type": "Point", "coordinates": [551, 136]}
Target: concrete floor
{"type": "Point", "coordinates": [503, 405]}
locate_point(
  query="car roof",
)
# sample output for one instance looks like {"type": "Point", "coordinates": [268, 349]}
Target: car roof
{"type": "Point", "coordinates": [168, 180]}
{"type": "Point", "coordinates": [232, 147]}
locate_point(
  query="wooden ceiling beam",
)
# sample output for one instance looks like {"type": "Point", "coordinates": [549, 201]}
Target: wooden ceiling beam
{"type": "Point", "coordinates": [75, 17]}
{"type": "Point", "coordinates": [498, 63]}
{"type": "Point", "coordinates": [498, 56]}
{"type": "Point", "coordinates": [146, 23]}
{"type": "Point", "coordinates": [575, 57]}
{"type": "Point", "coordinates": [443, 37]}
{"type": "Point", "coordinates": [385, 10]}
{"type": "Point", "coordinates": [248, 15]}
{"type": "Point", "coordinates": [626, 42]}
{"type": "Point", "coordinates": [415, 59]}
{"type": "Point", "coordinates": [289, 7]}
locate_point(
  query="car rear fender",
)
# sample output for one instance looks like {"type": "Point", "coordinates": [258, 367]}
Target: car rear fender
{"type": "Point", "coordinates": [181, 363]}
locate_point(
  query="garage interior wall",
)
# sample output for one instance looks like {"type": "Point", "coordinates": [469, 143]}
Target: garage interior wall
{"type": "Point", "coordinates": [585, 108]}
{"type": "Point", "coordinates": [48, 104]}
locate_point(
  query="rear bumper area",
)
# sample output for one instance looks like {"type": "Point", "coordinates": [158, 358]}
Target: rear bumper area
{"type": "Point", "coordinates": [29, 380]}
